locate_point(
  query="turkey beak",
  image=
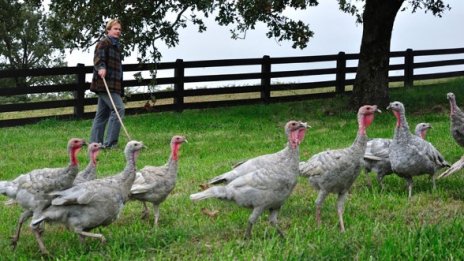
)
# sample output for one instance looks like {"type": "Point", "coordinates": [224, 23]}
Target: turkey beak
{"type": "Point", "coordinates": [388, 107]}
{"type": "Point", "coordinates": [378, 110]}
{"type": "Point", "coordinates": [143, 146]}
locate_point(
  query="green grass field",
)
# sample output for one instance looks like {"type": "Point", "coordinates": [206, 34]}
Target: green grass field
{"type": "Point", "coordinates": [379, 225]}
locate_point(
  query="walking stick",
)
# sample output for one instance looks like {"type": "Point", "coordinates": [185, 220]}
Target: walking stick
{"type": "Point", "coordinates": [115, 110]}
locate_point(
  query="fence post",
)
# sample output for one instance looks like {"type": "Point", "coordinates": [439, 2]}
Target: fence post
{"type": "Point", "coordinates": [340, 76]}
{"type": "Point", "coordinates": [179, 73]}
{"type": "Point", "coordinates": [408, 68]}
{"type": "Point", "coordinates": [266, 79]}
{"type": "Point", "coordinates": [79, 92]}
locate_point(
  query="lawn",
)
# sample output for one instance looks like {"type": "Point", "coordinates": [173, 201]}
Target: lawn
{"type": "Point", "coordinates": [381, 225]}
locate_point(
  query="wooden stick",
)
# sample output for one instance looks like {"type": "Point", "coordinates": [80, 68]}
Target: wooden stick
{"type": "Point", "coordinates": [115, 110]}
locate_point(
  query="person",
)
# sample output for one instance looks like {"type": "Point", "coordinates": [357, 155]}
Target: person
{"type": "Point", "coordinates": [107, 64]}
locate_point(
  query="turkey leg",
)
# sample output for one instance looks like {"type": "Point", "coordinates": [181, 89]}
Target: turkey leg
{"type": "Point", "coordinates": [24, 216]}
{"type": "Point", "coordinates": [274, 222]}
{"type": "Point", "coordinates": [320, 199]}
{"type": "Point", "coordinates": [252, 219]}
{"type": "Point", "coordinates": [94, 235]}
{"type": "Point", "coordinates": [340, 208]}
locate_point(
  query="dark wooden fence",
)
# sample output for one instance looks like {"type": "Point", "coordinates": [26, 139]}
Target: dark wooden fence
{"type": "Point", "coordinates": [264, 89]}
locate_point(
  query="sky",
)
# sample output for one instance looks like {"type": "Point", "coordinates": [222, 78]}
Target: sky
{"type": "Point", "coordinates": [334, 31]}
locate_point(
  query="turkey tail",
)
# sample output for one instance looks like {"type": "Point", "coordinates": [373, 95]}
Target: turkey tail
{"type": "Point", "coordinates": [213, 192]}
{"type": "Point", "coordinates": [10, 202]}
{"type": "Point", "coordinates": [3, 187]}
{"type": "Point", "coordinates": [227, 177]}
{"type": "Point", "coordinates": [302, 168]}
{"type": "Point", "coordinates": [8, 189]}
{"type": "Point", "coordinates": [372, 157]}
{"type": "Point", "coordinates": [217, 180]}
{"type": "Point", "coordinates": [305, 169]}
{"type": "Point", "coordinates": [38, 220]}
{"type": "Point", "coordinates": [50, 214]}
{"type": "Point", "coordinates": [458, 165]}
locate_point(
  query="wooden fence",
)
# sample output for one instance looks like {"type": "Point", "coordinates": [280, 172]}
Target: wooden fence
{"type": "Point", "coordinates": [265, 89]}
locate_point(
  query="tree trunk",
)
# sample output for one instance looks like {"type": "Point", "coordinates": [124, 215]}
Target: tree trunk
{"type": "Point", "coordinates": [371, 82]}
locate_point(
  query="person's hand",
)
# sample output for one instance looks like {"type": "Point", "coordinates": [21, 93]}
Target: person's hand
{"type": "Point", "coordinates": [102, 73]}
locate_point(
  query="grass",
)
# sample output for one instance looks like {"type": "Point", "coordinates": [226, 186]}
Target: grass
{"type": "Point", "coordinates": [380, 225]}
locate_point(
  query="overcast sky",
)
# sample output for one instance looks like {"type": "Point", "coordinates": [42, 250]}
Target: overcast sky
{"type": "Point", "coordinates": [334, 31]}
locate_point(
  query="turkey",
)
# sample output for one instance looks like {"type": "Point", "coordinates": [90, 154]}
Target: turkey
{"type": "Point", "coordinates": [457, 131]}
{"type": "Point", "coordinates": [30, 189]}
{"type": "Point", "coordinates": [92, 203]}
{"type": "Point", "coordinates": [334, 171]}
{"type": "Point", "coordinates": [457, 120]}
{"type": "Point", "coordinates": [90, 172]}
{"type": "Point", "coordinates": [244, 167]}
{"type": "Point", "coordinates": [421, 129]}
{"type": "Point", "coordinates": [376, 157]}
{"type": "Point", "coordinates": [410, 155]}
{"type": "Point", "coordinates": [267, 184]}
{"type": "Point", "coordinates": [154, 183]}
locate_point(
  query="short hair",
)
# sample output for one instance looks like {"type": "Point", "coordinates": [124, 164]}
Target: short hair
{"type": "Point", "coordinates": [111, 23]}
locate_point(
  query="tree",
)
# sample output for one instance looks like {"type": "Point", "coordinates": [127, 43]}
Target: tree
{"type": "Point", "coordinates": [147, 21]}
{"type": "Point", "coordinates": [378, 17]}
{"type": "Point", "coordinates": [26, 42]}
{"type": "Point", "coordinates": [143, 22]}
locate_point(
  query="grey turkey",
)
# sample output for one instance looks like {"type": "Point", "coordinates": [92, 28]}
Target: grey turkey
{"type": "Point", "coordinates": [410, 155]}
{"type": "Point", "coordinates": [265, 182]}
{"type": "Point", "coordinates": [154, 183]}
{"type": "Point", "coordinates": [90, 172]}
{"type": "Point", "coordinates": [244, 167]}
{"type": "Point", "coordinates": [92, 203]}
{"type": "Point", "coordinates": [30, 189]}
{"type": "Point", "coordinates": [457, 132]}
{"type": "Point", "coordinates": [376, 157]}
{"type": "Point", "coordinates": [334, 171]}
{"type": "Point", "coordinates": [421, 129]}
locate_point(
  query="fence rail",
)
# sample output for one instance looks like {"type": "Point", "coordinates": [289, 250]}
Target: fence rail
{"type": "Point", "coordinates": [266, 82]}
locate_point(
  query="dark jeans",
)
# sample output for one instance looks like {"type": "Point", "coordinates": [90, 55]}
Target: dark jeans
{"type": "Point", "coordinates": [105, 114]}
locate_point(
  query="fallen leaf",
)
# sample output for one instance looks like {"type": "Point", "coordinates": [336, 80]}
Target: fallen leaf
{"type": "Point", "coordinates": [204, 186]}
{"type": "Point", "coordinates": [210, 213]}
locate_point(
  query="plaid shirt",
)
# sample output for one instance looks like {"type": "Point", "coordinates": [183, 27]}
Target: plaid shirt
{"type": "Point", "coordinates": [108, 56]}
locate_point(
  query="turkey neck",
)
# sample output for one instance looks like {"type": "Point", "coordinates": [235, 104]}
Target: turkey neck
{"type": "Point", "coordinates": [173, 158]}
{"type": "Point", "coordinates": [453, 107]}
{"type": "Point", "coordinates": [92, 163]}
{"type": "Point", "coordinates": [360, 142]}
{"type": "Point", "coordinates": [455, 112]}
{"type": "Point", "coordinates": [128, 175]}
{"type": "Point", "coordinates": [93, 157]}
{"type": "Point", "coordinates": [422, 134]}
{"type": "Point", "coordinates": [292, 151]}
{"type": "Point", "coordinates": [402, 127]}
{"type": "Point", "coordinates": [73, 156]}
